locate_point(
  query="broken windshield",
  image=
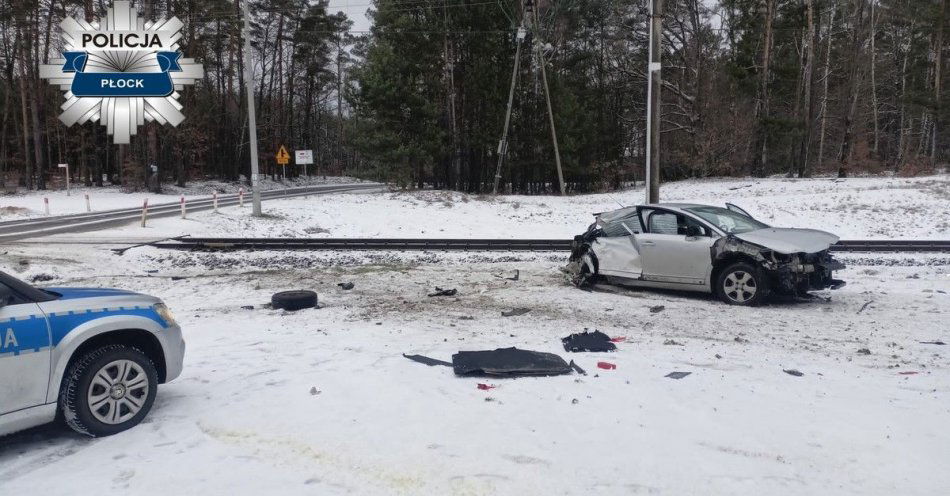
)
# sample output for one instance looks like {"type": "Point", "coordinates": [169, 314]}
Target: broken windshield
{"type": "Point", "coordinates": [727, 220]}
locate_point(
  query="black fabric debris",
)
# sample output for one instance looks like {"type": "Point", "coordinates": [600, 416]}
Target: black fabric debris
{"type": "Point", "coordinates": [938, 343]}
{"type": "Point", "coordinates": [426, 360]}
{"type": "Point", "coordinates": [793, 372]}
{"type": "Point", "coordinates": [588, 341]}
{"type": "Point", "coordinates": [508, 362]}
{"type": "Point", "coordinates": [515, 312]}
{"type": "Point", "coordinates": [247, 307]}
{"type": "Point", "coordinates": [345, 286]}
{"type": "Point", "coordinates": [443, 292]}
{"type": "Point", "coordinates": [677, 375]}
{"type": "Point", "coordinates": [657, 309]}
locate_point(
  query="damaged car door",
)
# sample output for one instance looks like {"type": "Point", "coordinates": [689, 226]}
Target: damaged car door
{"type": "Point", "coordinates": [617, 251]}
{"type": "Point", "coordinates": [674, 248]}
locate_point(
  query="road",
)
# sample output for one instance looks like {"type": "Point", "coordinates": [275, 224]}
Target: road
{"type": "Point", "coordinates": [32, 228]}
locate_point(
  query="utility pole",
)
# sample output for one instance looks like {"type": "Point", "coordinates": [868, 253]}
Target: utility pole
{"type": "Point", "coordinates": [251, 118]}
{"type": "Point", "coordinates": [654, 83]}
{"type": "Point", "coordinates": [503, 142]}
{"type": "Point", "coordinates": [547, 98]}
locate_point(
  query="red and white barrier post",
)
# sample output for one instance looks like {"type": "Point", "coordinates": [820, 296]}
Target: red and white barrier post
{"type": "Point", "coordinates": [88, 206]}
{"type": "Point", "coordinates": [241, 197]}
{"type": "Point", "coordinates": [183, 208]}
{"type": "Point", "coordinates": [215, 196]}
{"type": "Point", "coordinates": [46, 205]}
{"type": "Point", "coordinates": [144, 209]}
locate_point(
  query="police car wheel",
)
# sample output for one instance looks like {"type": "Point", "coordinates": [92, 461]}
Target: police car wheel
{"type": "Point", "coordinates": [108, 390]}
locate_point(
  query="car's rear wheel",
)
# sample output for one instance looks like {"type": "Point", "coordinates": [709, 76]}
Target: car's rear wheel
{"type": "Point", "coordinates": [742, 284]}
{"type": "Point", "coordinates": [108, 390]}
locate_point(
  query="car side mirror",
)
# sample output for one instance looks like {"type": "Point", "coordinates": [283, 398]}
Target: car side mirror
{"type": "Point", "coordinates": [693, 231]}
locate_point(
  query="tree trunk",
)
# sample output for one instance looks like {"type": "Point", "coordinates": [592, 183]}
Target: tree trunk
{"type": "Point", "coordinates": [763, 103]}
{"type": "Point", "coordinates": [938, 65]}
{"type": "Point", "coordinates": [808, 103]}
{"type": "Point", "coordinates": [844, 153]}
{"type": "Point", "coordinates": [24, 99]}
{"type": "Point", "coordinates": [824, 98]}
{"type": "Point", "coordinates": [874, 106]}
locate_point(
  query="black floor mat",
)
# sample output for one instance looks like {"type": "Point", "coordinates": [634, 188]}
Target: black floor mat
{"type": "Point", "coordinates": [508, 362]}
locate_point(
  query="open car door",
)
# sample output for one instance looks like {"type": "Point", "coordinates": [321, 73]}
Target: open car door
{"type": "Point", "coordinates": [738, 210]}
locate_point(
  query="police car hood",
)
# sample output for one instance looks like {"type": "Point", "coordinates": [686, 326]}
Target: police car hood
{"type": "Point", "coordinates": [789, 240]}
{"type": "Point", "coordinates": [76, 293]}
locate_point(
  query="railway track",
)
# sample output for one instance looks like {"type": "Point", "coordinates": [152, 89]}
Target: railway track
{"type": "Point", "coordinates": [407, 244]}
{"type": "Point", "coordinates": [31, 228]}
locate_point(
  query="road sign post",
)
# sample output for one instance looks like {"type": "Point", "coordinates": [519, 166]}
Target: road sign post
{"type": "Point", "coordinates": [66, 166]}
{"type": "Point", "coordinates": [304, 158]}
{"type": "Point", "coordinates": [283, 158]}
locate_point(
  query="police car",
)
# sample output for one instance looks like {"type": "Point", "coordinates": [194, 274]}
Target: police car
{"type": "Point", "coordinates": [94, 356]}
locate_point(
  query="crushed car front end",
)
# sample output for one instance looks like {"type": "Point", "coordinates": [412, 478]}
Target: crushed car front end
{"type": "Point", "coordinates": [789, 272]}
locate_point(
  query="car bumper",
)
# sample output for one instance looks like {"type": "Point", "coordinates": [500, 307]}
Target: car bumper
{"type": "Point", "coordinates": [173, 345]}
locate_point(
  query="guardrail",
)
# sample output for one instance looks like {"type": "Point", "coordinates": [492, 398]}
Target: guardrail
{"type": "Point", "coordinates": [43, 226]}
{"type": "Point", "coordinates": [410, 244]}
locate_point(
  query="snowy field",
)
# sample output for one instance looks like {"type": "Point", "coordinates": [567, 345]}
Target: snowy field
{"type": "Point", "coordinates": [321, 401]}
{"type": "Point", "coordinates": [860, 208]}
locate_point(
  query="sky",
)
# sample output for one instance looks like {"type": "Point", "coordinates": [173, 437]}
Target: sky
{"type": "Point", "coordinates": [355, 10]}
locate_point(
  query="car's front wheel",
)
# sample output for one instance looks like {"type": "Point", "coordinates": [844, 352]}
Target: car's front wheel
{"type": "Point", "coordinates": [742, 284]}
{"type": "Point", "coordinates": [108, 390]}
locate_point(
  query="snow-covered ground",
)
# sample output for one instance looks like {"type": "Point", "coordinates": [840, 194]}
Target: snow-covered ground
{"type": "Point", "coordinates": [29, 204]}
{"type": "Point", "coordinates": [860, 208]}
{"type": "Point", "coordinates": [321, 401]}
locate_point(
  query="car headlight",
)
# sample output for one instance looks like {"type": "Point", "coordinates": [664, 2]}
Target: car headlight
{"type": "Point", "coordinates": [165, 313]}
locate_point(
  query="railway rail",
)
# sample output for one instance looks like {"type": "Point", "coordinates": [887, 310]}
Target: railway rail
{"type": "Point", "coordinates": [409, 244]}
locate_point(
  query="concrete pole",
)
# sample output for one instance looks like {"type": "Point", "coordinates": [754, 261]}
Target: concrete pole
{"type": "Point", "coordinates": [503, 142]}
{"type": "Point", "coordinates": [547, 98]}
{"type": "Point", "coordinates": [654, 84]}
{"type": "Point", "coordinates": [251, 118]}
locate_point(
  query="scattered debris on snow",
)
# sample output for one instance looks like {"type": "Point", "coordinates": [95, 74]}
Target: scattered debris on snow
{"type": "Point", "coordinates": [515, 312]}
{"type": "Point", "coordinates": [588, 341]}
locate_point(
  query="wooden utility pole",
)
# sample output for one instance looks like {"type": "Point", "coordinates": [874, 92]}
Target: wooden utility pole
{"type": "Point", "coordinates": [547, 98]}
{"type": "Point", "coordinates": [654, 83]}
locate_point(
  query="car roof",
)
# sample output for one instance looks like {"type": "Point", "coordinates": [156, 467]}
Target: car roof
{"type": "Point", "coordinates": [677, 205]}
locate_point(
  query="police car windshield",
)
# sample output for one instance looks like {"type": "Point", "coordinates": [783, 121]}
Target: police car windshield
{"type": "Point", "coordinates": [24, 290]}
{"type": "Point", "coordinates": [727, 220]}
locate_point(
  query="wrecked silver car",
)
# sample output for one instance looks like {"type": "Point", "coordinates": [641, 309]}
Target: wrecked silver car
{"type": "Point", "coordinates": [703, 248]}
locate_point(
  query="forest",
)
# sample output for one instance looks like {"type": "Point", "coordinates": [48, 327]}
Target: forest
{"type": "Point", "coordinates": [420, 98]}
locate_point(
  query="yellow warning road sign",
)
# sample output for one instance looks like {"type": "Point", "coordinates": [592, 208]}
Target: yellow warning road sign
{"type": "Point", "coordinates": [283, 158]}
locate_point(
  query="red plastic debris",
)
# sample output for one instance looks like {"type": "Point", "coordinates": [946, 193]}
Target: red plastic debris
{"type": "Point", "coordinates": [606, 365]}
{"type": "Point", "coordinates": [618, 339]}
{"type": "Point", "coordinates": [909, 372]}
{"type": "Point", "coordinates": [485, 387]}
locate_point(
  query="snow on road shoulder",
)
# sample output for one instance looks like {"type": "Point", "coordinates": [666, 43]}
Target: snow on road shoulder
{"type": "Point", "coordinates": [858, 208]}
{"type": "Point", "coordinates": [322, 402]}
{"type": "Point", "coordinates": [30, 204]}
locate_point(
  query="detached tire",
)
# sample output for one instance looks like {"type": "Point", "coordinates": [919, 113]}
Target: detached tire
{"type": "Point", "coordinates": [108, 390]}
{"type": "Point", "coordinates": [742, 284]}
{"type": "Point", "coordinates": [294, 300]}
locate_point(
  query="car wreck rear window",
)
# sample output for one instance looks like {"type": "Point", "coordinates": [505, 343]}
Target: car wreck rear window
{"type": "Point", "coordinates": [727, 220]}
